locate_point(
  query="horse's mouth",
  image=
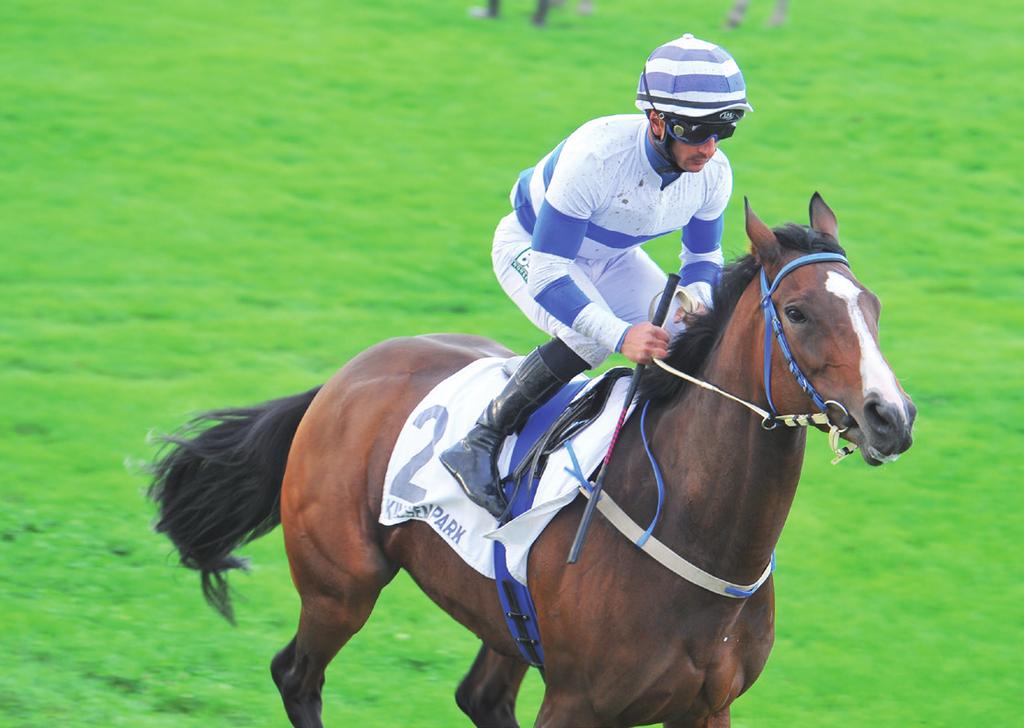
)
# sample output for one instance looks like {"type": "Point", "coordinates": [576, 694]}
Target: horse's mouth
{"type": "Point", "coordinates": [872, 455]}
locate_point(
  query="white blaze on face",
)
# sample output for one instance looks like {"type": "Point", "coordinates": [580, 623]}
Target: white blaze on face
{"type": "Point", "coordinates": [875, 374]}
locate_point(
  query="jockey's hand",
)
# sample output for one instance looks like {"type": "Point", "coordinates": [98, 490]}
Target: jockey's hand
{"type": "Point", "coordinates": [690, 306]}
{"type": "Point", "coordinates": [645, 341]}
{"type": "Point", "coordinates": [684, 316]}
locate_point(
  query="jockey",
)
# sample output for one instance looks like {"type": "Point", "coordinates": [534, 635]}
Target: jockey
{"type": "Point", "coordinates": [569, 254]}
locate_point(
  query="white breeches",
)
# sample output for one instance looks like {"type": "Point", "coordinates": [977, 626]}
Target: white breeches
{"type": "Point", "coordinates": [626, 284]}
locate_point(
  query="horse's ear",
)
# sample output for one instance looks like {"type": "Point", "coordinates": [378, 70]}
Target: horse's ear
{"type": "Point", "coordinates": [822, 218]}
{"type": "Point", "coordinates": [764, 245]}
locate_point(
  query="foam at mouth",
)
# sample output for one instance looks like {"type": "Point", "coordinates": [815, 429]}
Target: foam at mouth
{"type": "Point", "coordinates": [879, 456]}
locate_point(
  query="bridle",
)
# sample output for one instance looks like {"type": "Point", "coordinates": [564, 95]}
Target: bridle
{"type": "Point", "coordinates": [770, 418]}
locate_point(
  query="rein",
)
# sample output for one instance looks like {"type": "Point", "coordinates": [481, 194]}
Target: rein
{"type": "Point", "coordinates": [771, 418]}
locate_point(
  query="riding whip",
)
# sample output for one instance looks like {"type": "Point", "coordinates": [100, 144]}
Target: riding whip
{"type": "Point", "coordinates": [595, 494]}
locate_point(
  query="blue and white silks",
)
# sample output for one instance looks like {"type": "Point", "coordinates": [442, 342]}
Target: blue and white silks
{"type": "Point", "coordinates": [597, 196]}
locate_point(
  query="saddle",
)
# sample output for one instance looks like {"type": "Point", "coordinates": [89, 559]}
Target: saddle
{"type": "Point", "coordinates": [577, 416]}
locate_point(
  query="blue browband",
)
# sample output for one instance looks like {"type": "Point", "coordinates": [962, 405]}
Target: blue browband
{"type": "Point", "coordinates": [772, 323]}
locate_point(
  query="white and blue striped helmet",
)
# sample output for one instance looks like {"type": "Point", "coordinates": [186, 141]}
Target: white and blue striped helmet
{"type": "Point", "coordinates": [692, 78]}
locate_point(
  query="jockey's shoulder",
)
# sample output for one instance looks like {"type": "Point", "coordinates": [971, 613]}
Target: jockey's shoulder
{"type": "Point", "coordinates": [605, 138]}
{"type": "Point", "coordinates": [610, 128]}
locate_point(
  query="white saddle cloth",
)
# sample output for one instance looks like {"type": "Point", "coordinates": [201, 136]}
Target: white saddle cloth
{"type": "Point", "coordinates": [418, 487]}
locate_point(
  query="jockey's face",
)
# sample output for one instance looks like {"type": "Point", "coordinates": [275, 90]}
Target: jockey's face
{"type": "Point", "coordinates": [692, 158]}
{"type": "Point", "coordinates": [688, 157]}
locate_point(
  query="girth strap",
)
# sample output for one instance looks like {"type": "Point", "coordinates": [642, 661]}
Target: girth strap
{"type": "Point", "coordinates": [516, 602]}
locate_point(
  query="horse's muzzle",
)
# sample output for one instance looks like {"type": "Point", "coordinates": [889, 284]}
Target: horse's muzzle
{"type": "Point", "coordinates": [886, 428]}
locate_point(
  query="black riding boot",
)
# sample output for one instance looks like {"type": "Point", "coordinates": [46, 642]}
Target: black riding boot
{"type": "Point", "coordinates": [472, 461]}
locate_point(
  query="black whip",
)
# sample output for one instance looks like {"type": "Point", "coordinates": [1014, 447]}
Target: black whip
{"type": "Point", "coordinates": [595, 494]}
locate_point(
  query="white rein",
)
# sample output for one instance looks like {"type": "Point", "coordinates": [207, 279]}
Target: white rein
{"type": "Point", "coordinates": [767, 421]}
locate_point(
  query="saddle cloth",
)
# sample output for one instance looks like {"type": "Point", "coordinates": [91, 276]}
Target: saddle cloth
{"type": "Point", "coordinates": [418, 487]}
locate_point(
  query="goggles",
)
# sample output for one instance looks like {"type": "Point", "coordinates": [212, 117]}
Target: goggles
{"type": "Point", "coordinates": [697, 131]}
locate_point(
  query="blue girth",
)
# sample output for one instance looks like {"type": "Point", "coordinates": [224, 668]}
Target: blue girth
{"type": "Point", "coordinates": [516, 602]}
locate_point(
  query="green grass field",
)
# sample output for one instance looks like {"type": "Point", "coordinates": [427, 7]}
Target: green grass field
{"type": "Point", "coordinates": [213, 204]}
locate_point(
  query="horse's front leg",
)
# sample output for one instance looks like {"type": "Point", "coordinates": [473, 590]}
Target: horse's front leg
{"type": "Point", "coordinates": [566, 710]}
{"type": "Point", "coordinates": [488, 692]}
{"type": "Point", "coordinates": [717, 720]}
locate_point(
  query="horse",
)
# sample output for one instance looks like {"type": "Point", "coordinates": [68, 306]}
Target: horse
{"type": "Point", "coordinates": [626, 641]}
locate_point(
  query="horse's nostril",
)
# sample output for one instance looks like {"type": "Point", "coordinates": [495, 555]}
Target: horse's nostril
{"type": "Point", "coordinates": [888, 425]}
{"type": "Point", "coordinates": [881, 416]}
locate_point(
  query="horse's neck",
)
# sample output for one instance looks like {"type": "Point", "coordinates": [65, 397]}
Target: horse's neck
{"type": "Point", "coordinates": [729, 483]}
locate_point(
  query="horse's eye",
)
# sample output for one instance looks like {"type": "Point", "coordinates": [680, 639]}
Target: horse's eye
{"type": "Point", "coordinates": [795, 315]}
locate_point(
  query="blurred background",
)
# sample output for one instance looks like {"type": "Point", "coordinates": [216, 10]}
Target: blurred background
{"type": "Point", "coordinates": [213, 204]}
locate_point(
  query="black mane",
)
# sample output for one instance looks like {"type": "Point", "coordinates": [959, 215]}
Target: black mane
{"type": "Point", "coordinates": [690, 349]}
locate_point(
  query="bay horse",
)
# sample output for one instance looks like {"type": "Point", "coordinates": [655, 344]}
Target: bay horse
{"type": "Point", "coordinates": [626, 642]}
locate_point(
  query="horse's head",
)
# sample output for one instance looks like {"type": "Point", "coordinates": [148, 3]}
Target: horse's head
{"type": "Point", "coordinates": [830, 321]}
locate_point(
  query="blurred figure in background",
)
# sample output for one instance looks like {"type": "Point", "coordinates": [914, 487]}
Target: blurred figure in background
{"type": "Point", "coordinates": [569, 253]}
{"type": "Point", "coordinates": [491, 11]}
{"type": "Point", "coordinates": [583, 7]}
{"type": "Point", "coordinates": [740, 9]}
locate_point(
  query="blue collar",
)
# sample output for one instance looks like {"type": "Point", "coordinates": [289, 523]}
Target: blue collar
{"type": "Point", "coordinates": [667, 173]}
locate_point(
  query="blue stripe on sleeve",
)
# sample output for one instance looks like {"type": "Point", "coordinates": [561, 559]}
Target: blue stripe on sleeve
{"type": "Point", "coordinates": [703, 271]}
{"type": "Point", "coordinates": [622, 339]}
{"type": "Point", "coordinates": [703, 236]}
{"type": "Point", "coordinates": [549, 166]}
{"type": "Point", "coordinates": [523, 205]}
{"type": "Point", "coordinates": [563, 299]}
{"type": "Point", "coordinates": [557, 233]}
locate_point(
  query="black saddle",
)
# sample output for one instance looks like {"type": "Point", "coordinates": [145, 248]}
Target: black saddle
{"type": "Point", "coordinates": [576, 417]}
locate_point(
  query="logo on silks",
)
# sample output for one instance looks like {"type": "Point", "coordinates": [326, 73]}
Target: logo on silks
{"type": "Point", "coordinates": [521, 264]}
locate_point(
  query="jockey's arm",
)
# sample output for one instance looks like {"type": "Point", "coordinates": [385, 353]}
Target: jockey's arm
{"type": "Point", "coordinates": [557, 238]}
{"type": "Point", "coordinates": [701, 258]}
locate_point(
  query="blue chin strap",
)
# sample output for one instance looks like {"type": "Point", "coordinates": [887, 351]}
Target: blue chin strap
{"type": "Point", "coordinates": [772, 323]}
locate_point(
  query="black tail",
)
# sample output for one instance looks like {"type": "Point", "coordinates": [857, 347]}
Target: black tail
{"type": "Point", "coordinates": [217, 482]}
